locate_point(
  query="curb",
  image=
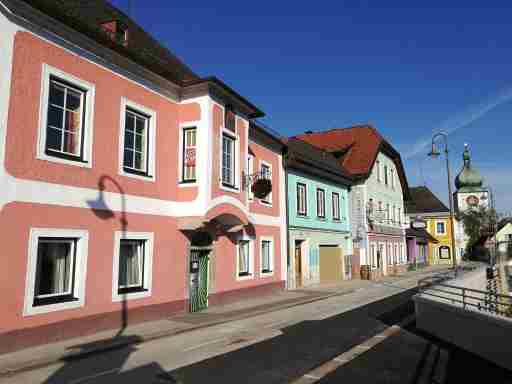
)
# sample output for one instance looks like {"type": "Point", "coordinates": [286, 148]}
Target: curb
{"type": "Point", "coordinates": [7, 372]}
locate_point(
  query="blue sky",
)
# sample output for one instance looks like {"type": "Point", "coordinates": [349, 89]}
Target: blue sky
{"type": "Point", "coordinates": [406, 68]}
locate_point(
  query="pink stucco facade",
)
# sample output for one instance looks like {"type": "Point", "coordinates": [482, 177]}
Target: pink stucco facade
{"type": "Point", "coordinates": [43, 194]}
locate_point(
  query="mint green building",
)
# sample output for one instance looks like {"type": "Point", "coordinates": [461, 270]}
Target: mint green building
{"type": "Point", "coordinates": [319, 233]}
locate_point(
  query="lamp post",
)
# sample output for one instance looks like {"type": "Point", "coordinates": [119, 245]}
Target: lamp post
{"type": "Point", "coordinates": [435, 153]}
{"type": "Point", "coordinates": [493, 224]}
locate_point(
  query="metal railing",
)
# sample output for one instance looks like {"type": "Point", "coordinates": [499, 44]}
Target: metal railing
{"type": "Point", "coordinates": [468, 299]}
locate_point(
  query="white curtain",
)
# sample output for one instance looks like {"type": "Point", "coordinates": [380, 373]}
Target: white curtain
{"type": "Point", "coordinates": [54, 268]}
{"type": "Point", "coordinates": [129, 264]}
{"type": "Point", "coordinates": [243, 257]}
{"type": "Point", "coordinates": [61, 267]}
{"type": "Point", "coordinates": [266, 256]}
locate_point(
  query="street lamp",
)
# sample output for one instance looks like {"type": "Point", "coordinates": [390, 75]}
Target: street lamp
{"type": "Point", "coordinates": [434, 153]}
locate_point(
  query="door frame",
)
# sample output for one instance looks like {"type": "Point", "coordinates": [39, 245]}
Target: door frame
{"type": "Point", "coordinates": [208, 249]}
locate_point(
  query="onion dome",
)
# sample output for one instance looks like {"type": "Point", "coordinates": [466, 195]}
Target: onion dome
{"type": "Point", "coordinates": [469, 179]}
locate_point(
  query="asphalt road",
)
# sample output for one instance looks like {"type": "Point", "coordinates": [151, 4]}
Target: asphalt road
{"type": "Point", "coordinates": [301, 348]}
{"type": "Point", "coordinates": [406, 357]}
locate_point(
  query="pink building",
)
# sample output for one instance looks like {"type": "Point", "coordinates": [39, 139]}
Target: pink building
{"type": "Point", "coordinates": [126, 179]}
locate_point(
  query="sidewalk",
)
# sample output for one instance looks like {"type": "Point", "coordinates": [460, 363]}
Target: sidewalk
{"type": "Point", "coordinates": [77, 348]}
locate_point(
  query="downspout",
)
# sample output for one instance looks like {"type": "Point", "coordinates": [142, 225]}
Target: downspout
{"type": "Point", "coordinates": [285, 159]}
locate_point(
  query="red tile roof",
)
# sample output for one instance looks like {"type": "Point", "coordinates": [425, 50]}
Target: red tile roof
{"type": "Point", "coordinates": [359, 146]}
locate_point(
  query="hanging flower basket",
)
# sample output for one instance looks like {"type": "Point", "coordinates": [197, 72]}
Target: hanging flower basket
{"type": "Point", "coordinates": [261, 188]}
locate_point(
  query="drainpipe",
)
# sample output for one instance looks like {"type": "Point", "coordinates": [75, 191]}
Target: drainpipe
{"type": "Point", "coordinates": [287, 236]}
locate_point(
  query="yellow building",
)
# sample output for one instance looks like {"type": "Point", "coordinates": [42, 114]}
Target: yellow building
{"type": "Point", "coordinates": [439, 227]}
{"type": "Point", "coordinates": [427, 206]}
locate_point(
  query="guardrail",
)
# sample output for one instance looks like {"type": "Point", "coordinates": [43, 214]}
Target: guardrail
{"type": "Point", "coordinates": [468, 299]}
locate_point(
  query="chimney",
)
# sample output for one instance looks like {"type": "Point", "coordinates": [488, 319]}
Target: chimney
{"type": "Point", "coordinates": [117, 31]}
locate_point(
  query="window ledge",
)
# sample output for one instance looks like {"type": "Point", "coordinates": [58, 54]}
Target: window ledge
{"type": "Point", "coordinates": [248, 276]}
{"type": "Point", "coordinates": [266, 274]}
{"type": "Point", "coordinates": [62, 160]}
{"type": "Point", "coordinates": [140, 294]}
{"type": "Point", "coordinates": [188, 184]}
{"type": "Point", "coordinates": [142, 177]}
{"type": "Point", "coordinates": [40, 309]}
{"type": "Point", "coordinates": [229, 188]}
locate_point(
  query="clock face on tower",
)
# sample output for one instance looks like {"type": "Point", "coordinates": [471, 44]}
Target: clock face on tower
{"type": "Point", "coordinates": [472, 201]}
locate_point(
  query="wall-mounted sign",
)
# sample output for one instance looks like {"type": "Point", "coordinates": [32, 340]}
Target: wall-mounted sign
{"type": "Point", "coordinates": [419, 224]}
{"type": "Point", "coordinates": [472, 201]}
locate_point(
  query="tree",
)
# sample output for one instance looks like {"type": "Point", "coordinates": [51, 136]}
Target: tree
{"type": "Point", "coordinates": [479, 223]}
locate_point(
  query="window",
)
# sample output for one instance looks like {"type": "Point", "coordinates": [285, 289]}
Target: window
{"type": "Point", "coordinates": [65, 120]}
{"type": "Point", "coordinates": [137, 150]}
{"type": "Point", "coordinates": [320, 203]}
{"type": "Point", "coordinates": [389, 255]}
{"type": "Point", "coordinates": [189, 155]}
{"type": "Point", "coordinates": [393, 179]}
{"type": "Point", "coordinates": [244, 259]}
{"type": "Point", "coordinates": [440, 228]}
{"type": "Point", "coordinates": [229, 119]}
{"type": "Point", "coordinates": [381, 219]}
{"type": "Point", "coordinates": [386, 174]}
{"type": "Point", "coordinates": [228, 161]}
{"type": "Point", "coordinates": [132, 265]}
{"type": "Point", "coordinates": [136, 138]}
{"type": "Point", "coordinates": [399, 216]}
{"type": "Point", "coordinates": [65, 133]}
{"type": "Point", "coordinates": [301, 199]}
{"type": "Point", "coordinates": [267, 255]}
{"type": "Point", "coordinates": [444, 252]}
{"type": "Point", "coordinates": [394, 214]}
{"type": "Point", "coordinates": [266, 173]}
{"type": "Point", "coordinates": [397, 255]}
{"type": "Point", "coordinates": [373, 256]}
{"type": "Point", "coordinates": [378, 171]}
{"type": "Point", "coordinates": [388, 214]}
{"type": "Point", "coordinates": [56, 270]}
{"type": "Point", "coordinates": [335, 206]}
{"type": "Point", "coordinates": [250, 171]}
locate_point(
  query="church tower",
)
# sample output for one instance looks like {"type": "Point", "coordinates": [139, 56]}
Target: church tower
{"type": "Point", "coordinates": [470, 194]}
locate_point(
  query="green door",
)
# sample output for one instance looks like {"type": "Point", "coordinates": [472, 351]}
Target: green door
{"type": "Point", "coordinates": [199, 263]}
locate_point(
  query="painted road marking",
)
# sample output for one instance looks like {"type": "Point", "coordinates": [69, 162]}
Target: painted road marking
{"type": "Point", "coordinates": [197, 346]}
{"type": "Point", "coordinates": [340, 360]}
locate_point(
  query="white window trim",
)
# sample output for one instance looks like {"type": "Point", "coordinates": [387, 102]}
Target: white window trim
{"type": "Point", "coordinates": [82, 237]}
{"type": "Point", "coordinates": [236, 171]}
{"type": "Point", "coordinates": [251, 259]}
{"type": "Point", "coordinates": [250, 170]}
{"type": "Point", "coordinates": [379, 174]}
{"type": "Point", "coordinates": [272, 256]}
{"type": "Point", "coordinates": [88, 122]}
{"type": "Point", "coordinates": [267, 203]}
{"type": "Point", "coordinates": [444, 226]}
{"type": "Point", "coordinates": [297, 213]}
{"type": "Point", "coordinates": [151, 149]}
{"type": "Point", "coordinates": [148, 265]}
{"type": "Point", "coordinates": [184, 126]}
{"type": "Point", "coordinates": [339, 218]}
{"type": "Point", "coordinates": [324, 216]}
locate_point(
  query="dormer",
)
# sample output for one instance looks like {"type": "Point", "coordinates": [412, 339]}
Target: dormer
{"type": "Point", "coordinates": [117, 31]}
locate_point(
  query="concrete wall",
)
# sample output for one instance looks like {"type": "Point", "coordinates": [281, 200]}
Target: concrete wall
{"type": "Point", "coordinates": [486, 336]}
